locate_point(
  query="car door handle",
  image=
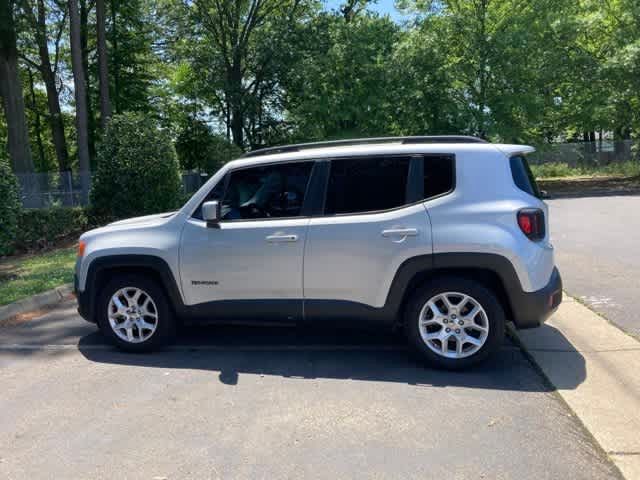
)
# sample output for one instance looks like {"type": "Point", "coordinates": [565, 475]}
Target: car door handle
{"type": "Point", "coordinates": [400, 232]}
{"type": "Point", "coordinates": [282, 238]}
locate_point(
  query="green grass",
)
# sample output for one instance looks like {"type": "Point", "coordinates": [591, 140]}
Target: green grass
{"type": "Point", "coordinates": [563, 170]}
{"type": "Point", "coordinates": [23, 277]}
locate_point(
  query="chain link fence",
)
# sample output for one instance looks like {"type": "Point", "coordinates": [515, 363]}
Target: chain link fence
{"type": "Point", "coordinates": [41, 190]}
{"type": "Point", "coordinates": [589, 154]}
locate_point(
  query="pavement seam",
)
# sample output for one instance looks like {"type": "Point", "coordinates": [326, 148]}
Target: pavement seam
{"type": "Point", "coordinates": [567, 350]}
{"type": "Point", "coordinates": [582, 302]}
{"type": "Point", "coordinates": [529, 354]}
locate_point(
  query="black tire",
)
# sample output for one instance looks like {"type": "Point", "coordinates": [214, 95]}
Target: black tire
{"type": "Point", "coordinates": [483, 295]}
{"type": "Point", "coordinates": [165, 327]}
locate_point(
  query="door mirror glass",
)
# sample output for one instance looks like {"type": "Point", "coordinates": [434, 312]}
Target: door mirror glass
{"type": "Point", "coordinates": [211, 212]}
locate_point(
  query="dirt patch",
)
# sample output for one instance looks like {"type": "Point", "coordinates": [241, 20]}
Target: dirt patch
{"type": "Point", "coordinates": [590, 186]}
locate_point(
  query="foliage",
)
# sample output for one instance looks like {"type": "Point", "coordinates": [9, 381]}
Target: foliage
{"type": "Point", "coordinates": [264, 72]}
{"type": "Point", "coordinates": [23, 277]}
{"type": "Point", "coordinates": [10, 207]}
{"type": "Point", "coordinates": [137, 170]}
{"type": "Point", "coordinates": [47, 227]}
{"type": "Point", "coordinates": [198, 148]}
{"type": "Point", "coordinates": [629, 168]}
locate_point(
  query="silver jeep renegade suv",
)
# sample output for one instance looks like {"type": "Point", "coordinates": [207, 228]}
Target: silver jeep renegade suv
{"type": "Point", "coordinates": [444, 237]}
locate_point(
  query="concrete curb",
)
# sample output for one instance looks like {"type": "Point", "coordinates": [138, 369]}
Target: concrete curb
{"type": "Point", "coordinates": [593, 366]}
{"type": "Point", "coordinates": [36, 302]}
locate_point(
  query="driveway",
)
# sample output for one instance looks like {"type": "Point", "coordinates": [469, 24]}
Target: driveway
{"type": "Point", "coordinates": [249, 402]}
{"type": "Point", "coordinates": [597, 242]}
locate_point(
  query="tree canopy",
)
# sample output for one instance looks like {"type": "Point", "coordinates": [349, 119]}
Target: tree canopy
{"type": "Point", "coordinates": [222, 76]}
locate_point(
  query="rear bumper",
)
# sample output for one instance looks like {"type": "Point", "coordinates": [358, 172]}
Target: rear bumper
{"type": "Point", "coordinates": [531, 309]}
{"type": "Point", "coordinates": [84, 307]}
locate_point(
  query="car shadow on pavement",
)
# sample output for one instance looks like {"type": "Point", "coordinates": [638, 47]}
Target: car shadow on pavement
{"type": "Point", "coordinates": [234, 351]}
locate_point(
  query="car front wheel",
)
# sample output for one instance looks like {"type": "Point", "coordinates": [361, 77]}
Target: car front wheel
{"type": "Point", "coordinates": [134, 313]}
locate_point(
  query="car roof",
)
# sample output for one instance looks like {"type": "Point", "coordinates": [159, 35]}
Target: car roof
{"type": "Point", "coordinates": [388, 148]}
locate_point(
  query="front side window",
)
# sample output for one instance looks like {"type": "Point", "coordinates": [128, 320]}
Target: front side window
{"type": "Point", "coordinates": [366, 184]}
{"type": "Point", "coordinates": [271, 191]}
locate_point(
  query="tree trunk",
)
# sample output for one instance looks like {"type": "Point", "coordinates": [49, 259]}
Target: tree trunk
{"type": "Point", "coordinates": [84, 44]}
{"type": "Point", "coordinates": [80, 97]}
{"type": "Point", "coordinates": [56, 121]}
{"type": "Point", "coordinates": [11, 92]}
{"type": "Point", "coordinates": [116, 65]}
{"type": "Point", "coordinates": [237, 120]}
{"type": "Point", "coordinates": [103, 66]}
{"type": "Point", "coordinates": [38, 125]}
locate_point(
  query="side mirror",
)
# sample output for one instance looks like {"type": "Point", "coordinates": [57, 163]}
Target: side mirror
{"type": "Point", "coordinates": [544, 194]}
{"type": "Point", "coordinates": [211, 213]}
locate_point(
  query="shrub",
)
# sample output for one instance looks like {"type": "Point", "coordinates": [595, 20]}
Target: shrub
{"type": "Point", "coordinates": [200, 149]}
{"type": "Point", "coordinates": [10, 207]}
{"type": "Point", "coordinates": [47, 227]}
{"type": "Point", "coordinates": [137, 171]}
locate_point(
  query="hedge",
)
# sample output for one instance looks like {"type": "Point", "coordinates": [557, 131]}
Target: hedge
{"type": "Point", "coordinates": [45, 228]}
{"type": "Point", "coordinates": [10, 207]}
{"type": "Point", "coordinates": [138, 170]}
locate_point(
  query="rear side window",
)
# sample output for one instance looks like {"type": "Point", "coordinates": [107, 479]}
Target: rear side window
{"type": "Point", "coordinates": [367, 184]}
{"type": "Point", "coordinates": [439, 177]}
{"type": "Point", "coordinates": [522, 176]}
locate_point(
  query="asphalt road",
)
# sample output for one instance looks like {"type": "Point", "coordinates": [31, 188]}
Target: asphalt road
{"type": "Point", "coordinates": [597, 241]}
{"type": "Point", "coordinates": [249, 402]}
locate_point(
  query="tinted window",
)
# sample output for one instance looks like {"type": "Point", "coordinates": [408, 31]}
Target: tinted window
{"type": "Point", "coordinates": [366, 184]}
{"type": "Point", "coordinates": [438, 175]}
{"type": "Point", "coordinates": [215, 194]}
{"type": "Point", "coordinates": [522, 176]}
{"type": "Point", "coordinates": [272, 191]}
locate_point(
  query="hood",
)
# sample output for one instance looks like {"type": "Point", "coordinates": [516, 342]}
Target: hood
{"type": "Point", "coordinates": [142, 220]}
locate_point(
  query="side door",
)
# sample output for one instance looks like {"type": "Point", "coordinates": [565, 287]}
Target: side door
{"type": "Point", "coordinates": [372, 221]}
{"type": "Point", "coordinates": [250, 265]}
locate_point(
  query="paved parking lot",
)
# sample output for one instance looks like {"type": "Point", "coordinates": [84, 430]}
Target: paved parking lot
{"type": "Point", "coordinates": [597, 242]}
{"type": "Point", "coordinates": [249, 402]}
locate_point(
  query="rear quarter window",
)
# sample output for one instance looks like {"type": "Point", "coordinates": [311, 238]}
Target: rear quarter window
{"type": "Point", "coordinates": [522, 176]}
{"type": "Point", "coordinates": [439, 175]}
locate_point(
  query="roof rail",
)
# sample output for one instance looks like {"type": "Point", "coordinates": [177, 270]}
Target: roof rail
{"type": "Point", "coordinates": [365, 141]}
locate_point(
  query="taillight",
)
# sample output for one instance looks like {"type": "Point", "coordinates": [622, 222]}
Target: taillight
{"type": "Point", "coordinates": [531, 222]}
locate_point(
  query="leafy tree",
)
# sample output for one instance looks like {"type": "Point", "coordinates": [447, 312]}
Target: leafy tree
{"type": "Point", "coordinates": [11, 92]}
{"type": "Point", "coordinates": [199, 149]}
{"type": "Point", "coordinates": [340, 85]}
{"type": "Point", "coordinates": [45, 23]}
{"type": "Point", "coordinates": [138, 170]}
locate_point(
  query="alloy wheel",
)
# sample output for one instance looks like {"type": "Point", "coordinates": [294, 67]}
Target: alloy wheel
{"type": "Point", "coordinates": [132, 314]}
{"type": "Point", "coordinates": [453, 325]}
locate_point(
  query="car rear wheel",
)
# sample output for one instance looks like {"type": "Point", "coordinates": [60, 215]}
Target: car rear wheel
{"type": "Point", "coordinates": [454, 323]}
{"type": "Point", "coordinates": [134, 314]}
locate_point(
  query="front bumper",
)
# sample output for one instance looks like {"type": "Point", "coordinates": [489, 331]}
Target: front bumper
{"type": "Point", "coordinates": [84, 307]}
{"type": "Point", "coordinates": [531, 309]}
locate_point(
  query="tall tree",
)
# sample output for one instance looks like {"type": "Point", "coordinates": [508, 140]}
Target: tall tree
{"type": "Point", "coordinates": [49, 71]}
{"type": "Point", "coordinates": [232, 27]}
{"type": "Point", "coordinates": [103, 66]}
{"type": "Point", "coordinates": [80, 95]}
{"type": "Point", "coordinates": [11, 91]}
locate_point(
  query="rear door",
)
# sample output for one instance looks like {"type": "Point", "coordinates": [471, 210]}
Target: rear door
{"type": "Point", "coordinates": [371, 222]}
